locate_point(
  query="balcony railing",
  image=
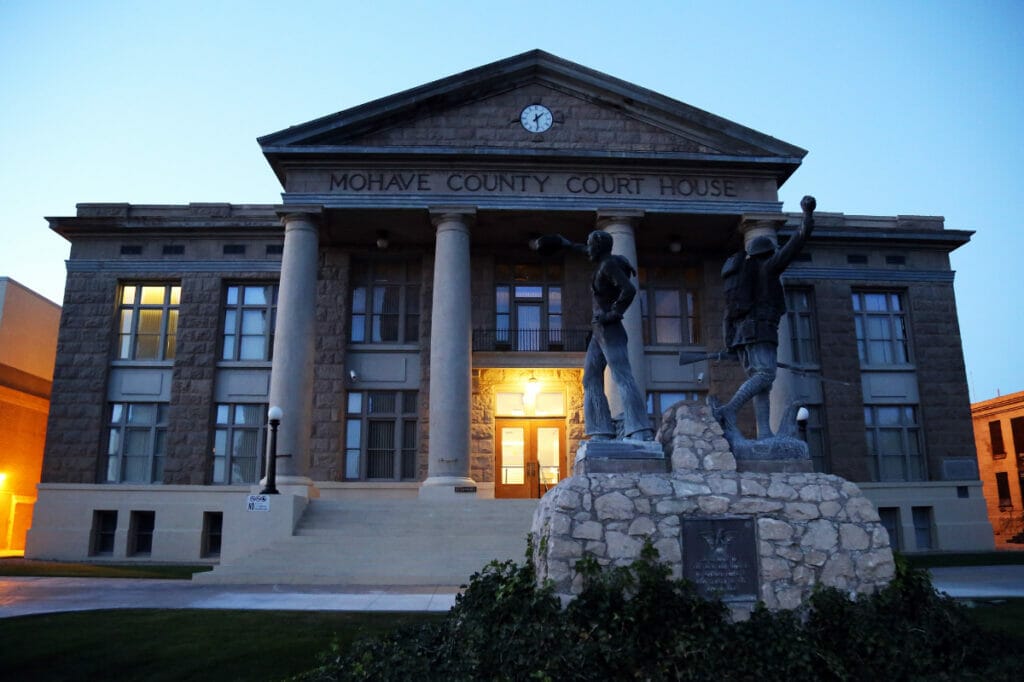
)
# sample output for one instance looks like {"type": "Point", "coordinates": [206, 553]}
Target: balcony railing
{"type": "Point", "coordinates": [530, 340]}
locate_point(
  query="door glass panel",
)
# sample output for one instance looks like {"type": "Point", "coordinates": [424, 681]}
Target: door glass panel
{"type": "Point", "coordinates": [513, 442]}
{"type": "Point", "coordinates": [528, 317]}
{"type": "Point", "coordinates": [548, 453]}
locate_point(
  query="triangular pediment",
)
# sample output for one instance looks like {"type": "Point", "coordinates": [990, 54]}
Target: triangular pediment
{"type": "Point", "coordinates": [478, 111]}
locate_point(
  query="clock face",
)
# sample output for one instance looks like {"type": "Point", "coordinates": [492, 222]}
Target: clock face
{"type": "Point", "coordinates": [536, 118]}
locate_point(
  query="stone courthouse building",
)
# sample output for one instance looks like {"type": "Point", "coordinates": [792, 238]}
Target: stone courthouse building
{"type": "Point", "coordinates": [390, 305]}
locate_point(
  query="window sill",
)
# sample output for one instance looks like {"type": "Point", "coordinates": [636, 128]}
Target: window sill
{"type": "Point", "coordinates": [384, 347]}
{"type": "Point", "coordinates": [244, 364]}
{"type": "Point", "coordinates": [143, 364]}
{"type": "Point", "coordinates": [888, 368]}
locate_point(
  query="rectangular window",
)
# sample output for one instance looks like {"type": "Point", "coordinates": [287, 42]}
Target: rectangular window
{"type": "Point", "coordinates": [527, 310]}
{"type": "Point", "coordinates": [238, 439]}
{"type": "Point", "coordinates": [380, 435]}
{"type": "Point", "coordinates": [922, 527]}
{"type": "Point", "coordinates": [140, 533]}
{"type": "Point", "coordinates": [1017, 433]}
{"type": "Point", "coordinates": [213, 525]}
{"type": "Point", "coordinates": [148, 321]}
{"type": "Point", "coordinates": [803, 335]}
{"type": "Point", "coordinates": [385, 302]}
{"type": "Point", "coordinates": [250, 313]}
{"type": "Point", "coordinates": [881, 325]}
{"type": "Point", "coordinates": [995, 434]}
{"type": "Point", "coordinates": [104, 528]}
{"type": "Point", "coordinates": [669, 305]}
{"type": "Point", "coordinates": [894, 443]}
{"type": "Point", "coordinates": [1003, 488]}
{"type": "Point", "coordinates": [137, 443]}
{"type": "Point", "coordinates": [890, 518]}
{"type": "Point", "coordinates": [659, 401]}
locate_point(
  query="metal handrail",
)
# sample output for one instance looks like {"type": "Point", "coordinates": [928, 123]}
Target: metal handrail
{"type": "Point", "coordinates": [530, 340]}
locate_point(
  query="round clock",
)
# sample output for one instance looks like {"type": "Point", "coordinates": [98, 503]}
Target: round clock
{"type": "Point", "coordinates": [536, 118]}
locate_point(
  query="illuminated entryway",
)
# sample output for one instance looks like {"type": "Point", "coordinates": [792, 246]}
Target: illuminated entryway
{"type": "Point", "coordinates": [529, 434]}
{"type": "Point", "coordinates": [530, 457]}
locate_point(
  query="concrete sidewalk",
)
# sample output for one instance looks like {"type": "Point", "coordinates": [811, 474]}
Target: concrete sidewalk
{"type": "Point", "coordinates": [979, 582]}
{"type": "Point", "coordinates": [24, 596]}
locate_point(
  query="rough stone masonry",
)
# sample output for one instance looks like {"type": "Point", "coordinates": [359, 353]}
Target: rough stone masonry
{"type": "Point", "coordinates": [808, 528]}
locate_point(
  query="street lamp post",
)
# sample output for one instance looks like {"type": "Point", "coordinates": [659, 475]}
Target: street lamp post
{"type": "Point", "coordinates": [274, 416]}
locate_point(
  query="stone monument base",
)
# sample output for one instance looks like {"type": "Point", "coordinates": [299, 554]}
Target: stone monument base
{"type": "Point", "coordinates": [620, 456]}
{"type": "Point", "coordinates": [743, 536]}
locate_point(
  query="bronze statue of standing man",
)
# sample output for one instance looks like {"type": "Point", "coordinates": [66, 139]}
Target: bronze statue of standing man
{"type": "Point", "coordinates": [754, 304]}
{"type": "Point", "coordinates": [612, 293]}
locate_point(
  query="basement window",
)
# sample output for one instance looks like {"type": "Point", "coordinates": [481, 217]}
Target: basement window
{"type": "Point", "coordinates": [856, 259]}
{"type": "Point", "coordinates": [213, 525]}
{"type": "Point", "coordinates": [140, 533]}
{"type": "Point", "coordinates": [104, 527]}
{"type": "Point", "coordinates": [173, 249]}
{"type": "Point", "coordinates": [131, 249]}
{"type": "Point", "coordinates": [234, 249]}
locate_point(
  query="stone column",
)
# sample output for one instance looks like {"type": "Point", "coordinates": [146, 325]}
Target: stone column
{"type": "Point", "coordinates": [450, 356]}
{"type": "Point", "coordinates": [621, 225]}
{"type": "Point", "coordinates": [291, 376]}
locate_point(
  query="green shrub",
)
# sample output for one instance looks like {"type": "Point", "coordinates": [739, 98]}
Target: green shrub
{"type": "Point", "coordinates": [637, 623]}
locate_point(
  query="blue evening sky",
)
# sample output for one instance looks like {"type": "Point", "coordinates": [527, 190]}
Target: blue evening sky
{"type": "Point", "coordinates": [906, 107]}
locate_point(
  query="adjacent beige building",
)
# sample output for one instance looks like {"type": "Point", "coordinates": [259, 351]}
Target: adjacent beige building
{"type": "Point", "coordinates": [28, 345]}
{"type": "Point", "coordinates": [999, 434]}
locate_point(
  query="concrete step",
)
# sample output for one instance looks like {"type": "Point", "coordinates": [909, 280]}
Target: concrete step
{"type": "Point", "coordinates": [387, 542]}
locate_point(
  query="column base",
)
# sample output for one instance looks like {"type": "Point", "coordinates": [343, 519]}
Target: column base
{"type": "Point", "coordinates": [302, 486]}
{"type": "Point", "coordinates": [448, 488]}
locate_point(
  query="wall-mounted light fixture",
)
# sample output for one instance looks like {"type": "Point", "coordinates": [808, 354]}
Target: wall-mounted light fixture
{"type": "Point", "coordinates": [382, 239]}
{"type": "Point", "coordinates": [803, 415]}
{"type": "Point", "coordinates": [532, 386]}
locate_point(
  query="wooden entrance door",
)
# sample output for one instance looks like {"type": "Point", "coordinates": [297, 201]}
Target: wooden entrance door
{"type": "Point", "coordinates": [530, 456]}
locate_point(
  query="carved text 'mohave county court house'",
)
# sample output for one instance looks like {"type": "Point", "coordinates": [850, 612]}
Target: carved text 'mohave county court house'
{"type": "Point", "coordinates": [391, 307]}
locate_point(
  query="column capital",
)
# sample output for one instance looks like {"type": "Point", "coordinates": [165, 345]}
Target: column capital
{"type": "Point", "coordinates": [444, 214]}
{"type": "Point", "coordinates": [607, 217]}
{"type": "Point", "coordinates": [289, 212]}
{"type": "Point", "coordinates": [753, 225]}
{"type": "Point", "coordinates": [762, 221]}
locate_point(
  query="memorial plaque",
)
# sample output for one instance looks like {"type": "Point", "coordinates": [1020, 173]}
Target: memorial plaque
{"type": "Point", "coordinates": [720, 557]}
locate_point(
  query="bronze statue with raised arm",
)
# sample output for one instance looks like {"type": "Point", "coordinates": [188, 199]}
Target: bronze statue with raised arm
{"type": "Point", "coordinates": [612, 293]}
{"type": "Point", "coordinates": [754, 304]}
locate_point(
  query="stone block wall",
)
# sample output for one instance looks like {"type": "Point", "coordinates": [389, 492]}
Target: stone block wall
{"type": "Point", "coordinates": [580, 123]}
{"type": "Point", "coordinates": [329, 375]}
{"type": "Point", "coordinates": [77, 421]}
{"type": "Point", "coordinates": [810, 528]}
{"type": "Point", "coordinates": [843, 399]}
{"type": "Point", "coordinates": [939, 358]}
{"type": "Point", "coordinates": [190, 414]}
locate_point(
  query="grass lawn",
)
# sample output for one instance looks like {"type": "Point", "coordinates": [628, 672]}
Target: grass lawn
{"type": "Point", "coordinates": [155, 644]}
{"type": "Point", "coordinates": [16, 566]}
{"type": "Point", "coordinates": [1000, 615]}
{"type": "Point", "coordinates": [222, 645]}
